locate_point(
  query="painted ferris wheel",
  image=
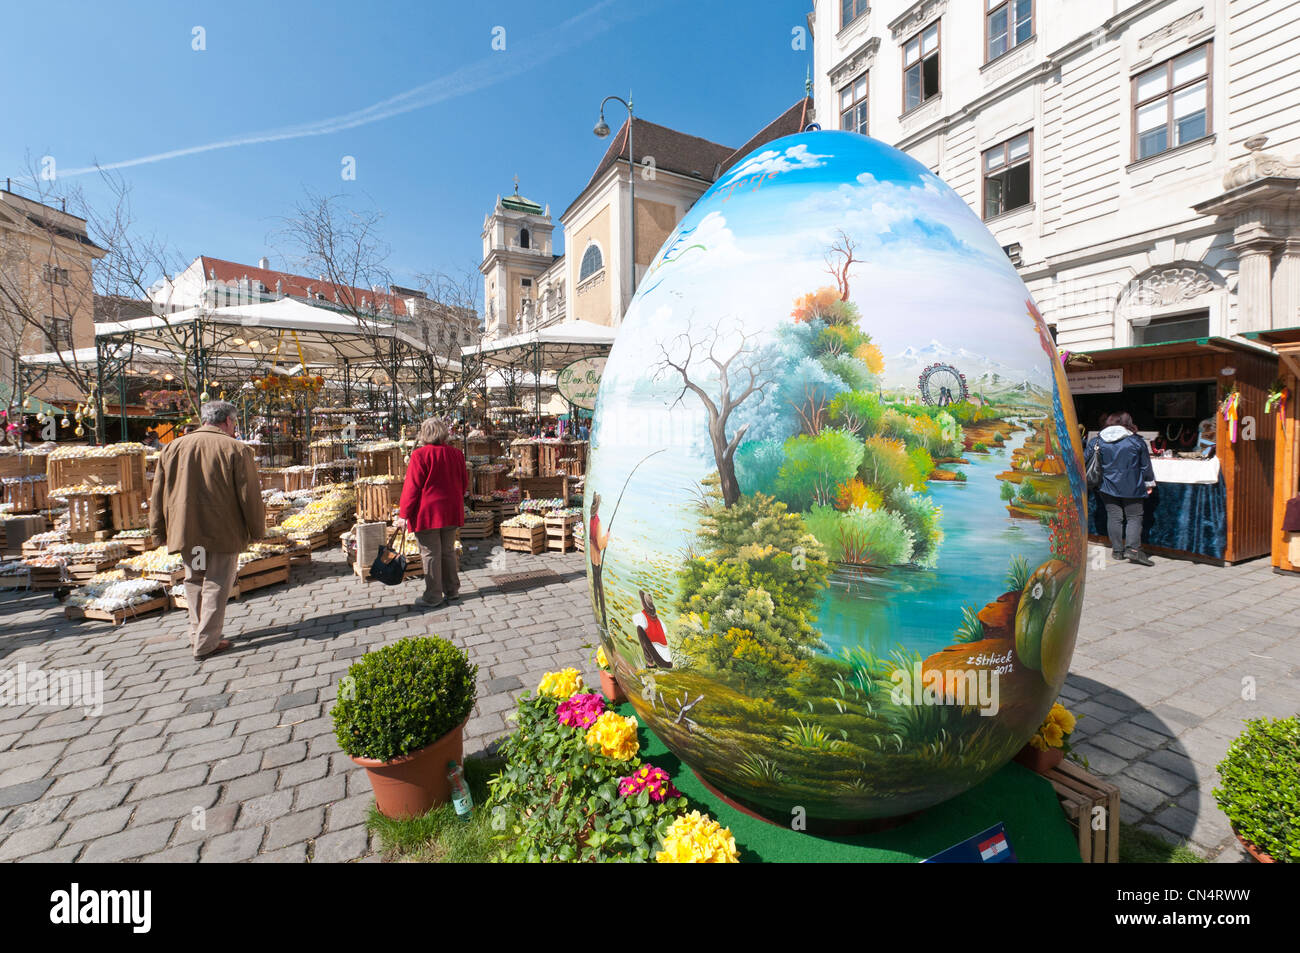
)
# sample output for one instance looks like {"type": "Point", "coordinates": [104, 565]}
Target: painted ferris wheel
{"type": "Point", "coordinates": [942, 384]}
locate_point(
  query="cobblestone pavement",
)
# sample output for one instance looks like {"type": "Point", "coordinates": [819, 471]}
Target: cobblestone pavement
{"type": "Point", "coordinates": [246, 736]}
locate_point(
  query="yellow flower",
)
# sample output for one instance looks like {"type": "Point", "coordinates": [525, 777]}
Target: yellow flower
{"type": "Point", "coordinates": [601, 658]}
{"type": "Point", "coordinates": [614, 736]}
{"type": "Point", "coordinates": [1038, 742]}
{"type": "Point", "coordinates": [696, 838]}
{"type": "Point", "coordinates": [560, 684]}
{"type": "Point", "coordinates": [1053, 735]}
{"type": "Point", "coordinates": [1060, 715]}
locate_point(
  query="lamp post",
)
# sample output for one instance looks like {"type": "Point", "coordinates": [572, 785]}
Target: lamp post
{"type": "Point", "coordinates": [602, 130]}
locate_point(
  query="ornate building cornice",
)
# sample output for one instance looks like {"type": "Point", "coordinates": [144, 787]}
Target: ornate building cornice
{"type": "Point", "coordinates": [1260, 165]}
{"type": "Point", "coordinates": [856, 62]}
{"type": "Point", "coordinates": [916, 16]}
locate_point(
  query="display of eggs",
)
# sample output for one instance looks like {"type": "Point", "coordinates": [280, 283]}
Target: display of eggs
{"type": "Point", "coordinates": [833, 507]}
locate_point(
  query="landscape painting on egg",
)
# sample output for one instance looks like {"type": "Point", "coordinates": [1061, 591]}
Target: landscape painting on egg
{"type": "Point", "coordinates": [834, 505]}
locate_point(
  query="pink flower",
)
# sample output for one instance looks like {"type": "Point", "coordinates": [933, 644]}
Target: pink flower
{"type": "Point", "coordinates": [580, 711]}
{"type": "Point", "coordinates": [649, 778]}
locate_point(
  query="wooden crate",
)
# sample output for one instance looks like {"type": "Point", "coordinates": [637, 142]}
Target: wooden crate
{"type": "Point", "coordinates": [559, 532]}
{"type": "Point", "coordinates": [479, 524]}
{"type": "Point", "coordinates": [375, 501]}
{"type": "Point", "coordinates": [27, 496]}
{"type": "Point", "coordinates": [545, 488]}
{"type": "Point", "coordinates": [125, 469]}
{"type": "Point", "coordinates": [390, 462]}
{"type": "Point", "coordinates": [297, 480]}
{"type": "Point", "coordinates": [168, 578]}
{"type": "Point", "coordinates": [139, 544]}
{"type": "Point", "coordinates": [524, 539]}
{"type": "Point", "coordinates": [128, 510]}
{"type": "Point", "coordinates": [87, 514]}
{"type": "Point", "coordinates": [1081, 794]}
{"type": "Point", "coordinates": [313, 542]}
{"type": "Point", "coordinates": [82, 571]}
{"type": "Point", "coordinates": [271, 478]}
{"type": "Point", "coordinates": [299, 556]}
{"type": "Point", "coordinates": [42, 577]}
{"type": "Point", "coordinates": [119, 616]}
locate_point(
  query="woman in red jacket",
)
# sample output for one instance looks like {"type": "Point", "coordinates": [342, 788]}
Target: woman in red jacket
{"type": "Point", "coordinates": [433, 505]}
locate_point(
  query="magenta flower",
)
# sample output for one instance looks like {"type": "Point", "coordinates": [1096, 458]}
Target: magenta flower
{"type": "Point", "coordinates": [649, 778]}
{"type": "Point", "coordinates": [580, 711]}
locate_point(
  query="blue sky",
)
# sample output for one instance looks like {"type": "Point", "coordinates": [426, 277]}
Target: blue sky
{"type": "Point", "coordinates": [121, 81]}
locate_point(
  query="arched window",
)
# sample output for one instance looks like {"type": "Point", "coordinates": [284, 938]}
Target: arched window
{"type": "Point", "coordinates": [592, 262]}
{"type": "Point", "coordinates": [523, 238]}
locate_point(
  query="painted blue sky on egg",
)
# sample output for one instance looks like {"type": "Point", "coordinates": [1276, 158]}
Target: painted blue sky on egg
{"type": "Point", "coordinates": [928, 275]}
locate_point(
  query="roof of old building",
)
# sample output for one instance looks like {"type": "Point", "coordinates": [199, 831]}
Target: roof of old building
{"type": "Point", "coordinates": [298, 286]}
{"type": "Point", "coordinates": [787, 124]}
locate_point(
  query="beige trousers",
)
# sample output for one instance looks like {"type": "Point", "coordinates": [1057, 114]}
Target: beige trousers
{"type": "Point", "coordinates": [207, 587]}
{"type": "Point", "coordinates": [438, 550]}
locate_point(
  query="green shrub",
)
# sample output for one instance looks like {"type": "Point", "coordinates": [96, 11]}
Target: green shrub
{"type": "Point", "coordinates": [922, 517]}
{"type": "Point", "coordinates": [980, 447]}
{"type": "Point", "coordinates": [1007, 492]}
{"type": "Point", "coordinates": [403, 697]}
{"type": "Point", "coordinates": [1260, 786]}
{"type": "Point", "coordinates": [879, 538]}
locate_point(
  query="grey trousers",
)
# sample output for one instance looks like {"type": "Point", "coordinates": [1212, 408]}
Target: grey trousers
{"type": "Point", "coordinates": [438, 551]}
{"type": "Point", "coordinates": [208, 582]}
{"type": "Point", "coordinates": [1123, 521]}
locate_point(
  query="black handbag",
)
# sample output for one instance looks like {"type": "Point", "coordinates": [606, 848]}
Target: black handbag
{"type": "Point", "coordinates": [389, 566]}
{"type": "Point", "coordinates": [1092, 469]}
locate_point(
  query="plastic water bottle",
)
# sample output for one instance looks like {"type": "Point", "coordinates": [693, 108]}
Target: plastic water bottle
{"type": "Point", "coordinates": [461, 799]}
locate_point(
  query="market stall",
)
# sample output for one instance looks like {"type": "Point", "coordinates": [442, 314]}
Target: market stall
{"type": "Point", "coordinates": [1213, 498]}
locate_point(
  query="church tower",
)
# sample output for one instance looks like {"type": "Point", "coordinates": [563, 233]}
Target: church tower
{"type": "Point", "coordinates": [516, 250]}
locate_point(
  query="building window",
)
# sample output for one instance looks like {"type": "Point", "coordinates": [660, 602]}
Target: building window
{"type": "Point", "coordinates": [527, 282]}
{"type": "Point", "coordinates": [1007, 176]}
{"type": "Point", "coordinates": [1171, 103]}
{"type": "Point", "coordinates": [1179, 327]}
{"type": "Point", "coordinates": [592, 262]}
{"type": "Point", "coordinates": [850, 10]}
{"type": "Point", "coordinates": [1007, 24]}
{"type": "Point", "coordinates": [523, 238]}
{"type": "Point", "coordinates": [56, 276]}
{"type": "Point", "coordinates": [60, 331]}
{"type": "Point", "coordinates": [853, 106]}
{"type": "Point", "coordinates": [921, 67]}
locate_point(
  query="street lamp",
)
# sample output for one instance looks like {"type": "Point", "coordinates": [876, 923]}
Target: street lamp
{"type": "Point", "coordinates": [602, 130]}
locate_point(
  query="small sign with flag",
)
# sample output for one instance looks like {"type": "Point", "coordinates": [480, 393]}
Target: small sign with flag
{"type": "Point", "coordinates": [987, 847]}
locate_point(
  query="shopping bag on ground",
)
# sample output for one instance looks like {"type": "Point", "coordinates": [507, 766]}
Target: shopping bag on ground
{"type": "Point", "coordinates": [389, 566]}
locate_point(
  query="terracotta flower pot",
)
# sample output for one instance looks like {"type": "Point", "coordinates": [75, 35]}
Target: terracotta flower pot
{"type": "Point", "coordinates": [409, 786]}
{"type": "Point", "coordinates": [1040, 761]}
{"type": "Point", "coordinates": [611, 689]}
{"type": "Point", "coordinates": [1254, 851]}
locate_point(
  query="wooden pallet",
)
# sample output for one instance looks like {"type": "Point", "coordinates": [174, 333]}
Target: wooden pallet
{"type": "Point", "coordinates": [42, 578]}
{"type": "Point", "coordinates": [260, 580]}
{"type": "Point", "coordinates": [1081, 794]}
{"type": "Point", "coordinates": [82, 571]}
{"type": "Point", "coordinates": [128, 510]}
{"type": "Point", "coordinates": [119, 616]}
{"type": "Point", "coordinates": [15, 581]}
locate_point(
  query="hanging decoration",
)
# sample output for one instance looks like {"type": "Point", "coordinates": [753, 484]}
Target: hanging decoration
{"type": "Point", "coordinates": [274, 385]}
{"type": "Point", "coordinates": [1230, 408]}
{"type": "Point", "coordinates": [1278, 395]}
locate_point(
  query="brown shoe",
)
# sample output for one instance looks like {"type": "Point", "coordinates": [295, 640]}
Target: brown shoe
{"type": "Point", "coordinates": [221, 647]}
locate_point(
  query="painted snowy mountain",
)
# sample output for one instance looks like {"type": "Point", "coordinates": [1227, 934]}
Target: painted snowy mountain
{"type": "Point", "coordinates": [983, 374]}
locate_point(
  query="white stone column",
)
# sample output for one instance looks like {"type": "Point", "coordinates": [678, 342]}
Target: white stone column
{"type": "Point", "coordinates": [1286, 285]}
{"type": "Point", "coordinates": [1254, 284]}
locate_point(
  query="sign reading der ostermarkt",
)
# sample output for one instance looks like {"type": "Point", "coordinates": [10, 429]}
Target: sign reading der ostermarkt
{"type": "Point", "coordinates": [578, 382]}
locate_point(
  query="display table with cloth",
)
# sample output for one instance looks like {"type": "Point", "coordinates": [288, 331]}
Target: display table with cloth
{"type": "Point", "coordinates": [1188, 510]}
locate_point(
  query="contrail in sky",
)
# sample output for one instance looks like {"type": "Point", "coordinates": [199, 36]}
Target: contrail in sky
{"type": "Point", "coordinates": [490, 70]}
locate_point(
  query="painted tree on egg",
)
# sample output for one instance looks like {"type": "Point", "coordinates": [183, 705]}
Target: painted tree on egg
{"type": "Point", "coordinates": [738, 365]}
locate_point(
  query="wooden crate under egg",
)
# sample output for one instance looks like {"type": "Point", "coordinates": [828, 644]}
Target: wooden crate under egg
{"type": "Point", "coordinates": [390, 462]}
{"type": "Point", "coordinates": [26, 496]}
{"type": "Point", "coordinates": [128, 510]}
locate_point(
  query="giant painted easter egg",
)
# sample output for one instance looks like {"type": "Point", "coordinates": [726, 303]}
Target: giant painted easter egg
{"type": "Point", "coordinates": [833, 532]}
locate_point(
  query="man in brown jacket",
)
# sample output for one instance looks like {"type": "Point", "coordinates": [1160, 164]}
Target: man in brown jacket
{"type": "Point", "coordinates": [207, 505]}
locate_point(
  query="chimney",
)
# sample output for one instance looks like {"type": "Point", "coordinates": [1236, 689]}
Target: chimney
{"type": "Point", "coordinates": [264, 264]}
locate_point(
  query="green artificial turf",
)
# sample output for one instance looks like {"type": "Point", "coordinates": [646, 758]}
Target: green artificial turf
{"type": "Point", "coordinates": [1019, 798]}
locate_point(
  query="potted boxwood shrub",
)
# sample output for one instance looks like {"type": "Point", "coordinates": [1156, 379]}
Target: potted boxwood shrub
{"type": "Point", "coordinates": [401, 714]}
{"type": "Point", "coordinates": [1260, 788]}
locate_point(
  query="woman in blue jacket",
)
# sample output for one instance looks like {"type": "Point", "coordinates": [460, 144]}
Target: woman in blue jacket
{"type": "Point", "coordinates": [1127, 480]}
